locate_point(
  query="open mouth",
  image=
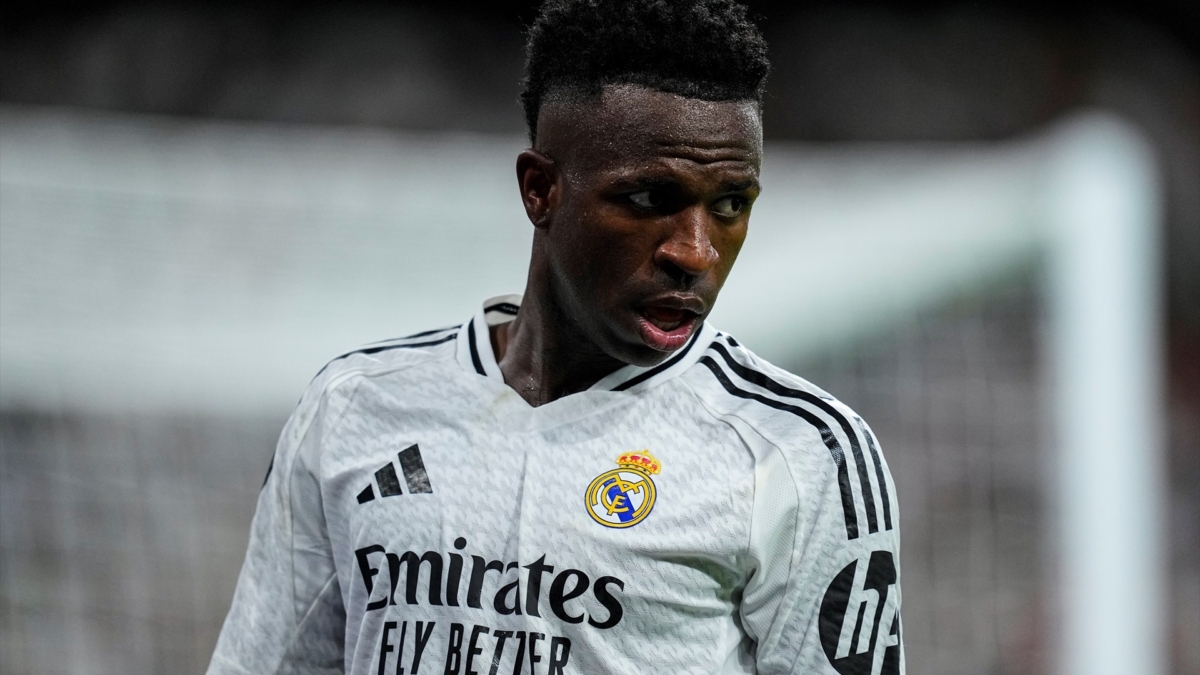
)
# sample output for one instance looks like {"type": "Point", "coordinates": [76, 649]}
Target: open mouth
{"type": "Point", "coordinates": [667, 328]}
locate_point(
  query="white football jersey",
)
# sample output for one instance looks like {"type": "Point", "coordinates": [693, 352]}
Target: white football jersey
{"type": "Point", "coordinates": [712, 514]}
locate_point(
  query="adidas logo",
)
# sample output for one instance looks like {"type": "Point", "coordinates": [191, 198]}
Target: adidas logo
{"type": "Point", "coordinates": [414, 472]}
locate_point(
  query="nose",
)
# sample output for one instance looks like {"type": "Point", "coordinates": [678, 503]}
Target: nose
{"type": "Point", "coordinates": [687, 252]}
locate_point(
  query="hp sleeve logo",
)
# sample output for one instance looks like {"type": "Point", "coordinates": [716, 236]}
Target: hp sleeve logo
{"type": "Point", "coordinates": [860, 618]}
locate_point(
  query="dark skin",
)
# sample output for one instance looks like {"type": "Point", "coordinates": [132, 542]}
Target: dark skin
{"type": "Point", "coordinates": [641, 201]}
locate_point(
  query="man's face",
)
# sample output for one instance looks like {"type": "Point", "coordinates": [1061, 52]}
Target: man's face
{"type": "Point", "coordinates": [649, 207]}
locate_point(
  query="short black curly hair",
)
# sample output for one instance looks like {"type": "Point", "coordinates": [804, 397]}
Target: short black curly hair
{"type": "Point", "coordinates": [705, 49]}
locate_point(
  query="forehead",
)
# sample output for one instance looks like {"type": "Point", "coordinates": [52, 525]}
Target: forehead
{"type": "Point", "coordinates": [632, 124]}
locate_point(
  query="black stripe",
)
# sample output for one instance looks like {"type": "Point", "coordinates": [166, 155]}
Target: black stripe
{"type": "Point", "coordinates": [407, 345]}
{"type": "Point", "coordinates": [827, 438]}
{"type": "Point", "coordinates": [414, 470]}
{"type": "Point", "coordinates": [389, 483]}
{"type": "Point", "coordinates": [269, 468]}
{"type": "Point", "coordinates": [366, 495]}
{"type": "Point", "coordinates": [754, 376]}
{"type": "Point", "coordinates": [384, 348]}
{"type": "Point", "coordinates": [474, 350]}
{"type": "Point", "coordinates": [431, 332]}
{"type": "Point", "coordinates": [418, 335]}
{"type": "Point", "coordinates": [634, 381]}
{"type": "Point", "coordinates": [503, 308]}
{"type": "Point", "coordinates": [883, 491]}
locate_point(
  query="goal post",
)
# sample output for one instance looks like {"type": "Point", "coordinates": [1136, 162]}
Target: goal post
{"type": "Point", "coordinates": [1105, 283]}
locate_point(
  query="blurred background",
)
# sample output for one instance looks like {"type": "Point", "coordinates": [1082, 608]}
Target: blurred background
{"type": "Point", "coordinates": [202, 203]}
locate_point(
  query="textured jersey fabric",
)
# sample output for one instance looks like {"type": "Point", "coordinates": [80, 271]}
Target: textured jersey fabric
{"type": "Point", "coordinates": [713, 514]}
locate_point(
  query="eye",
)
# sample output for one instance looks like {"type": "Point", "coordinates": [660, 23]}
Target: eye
{"type": "Point", "coordinates": [729, 207]}
{"type": "Point", "coordinates": [646, 199]}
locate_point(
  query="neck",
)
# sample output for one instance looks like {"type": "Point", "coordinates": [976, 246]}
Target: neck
{"type": "Point", "coordinates": [543, 354]}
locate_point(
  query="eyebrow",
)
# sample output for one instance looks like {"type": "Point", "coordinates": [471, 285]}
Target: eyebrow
{"type": "Point", "coordinates": [666, 184]}
{"type": "Point", "coordinates": [645, 184]}
{"type": "Point", "coordinates": [743, 185]}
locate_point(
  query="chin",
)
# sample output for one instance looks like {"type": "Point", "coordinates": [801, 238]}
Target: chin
{"type": "Point", "coordinates": [638, 342]}
{"type": "Point", "coordinates": [645, 357]}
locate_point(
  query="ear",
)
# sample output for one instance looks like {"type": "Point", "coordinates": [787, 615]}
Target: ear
{"type": "Point", "coordinates": [537, 176]}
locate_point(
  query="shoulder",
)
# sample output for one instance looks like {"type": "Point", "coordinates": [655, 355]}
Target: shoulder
{"type": "Point", "coordinates": [332, 387]}
{"type": "Point", "coordinates": [733, 380]}
{"type": "Point", "coordinates": [331, 390]}
{"type": "Point", "coordinates": [822, 441]}
{"type": "Point", "coordinates": [387, 356]}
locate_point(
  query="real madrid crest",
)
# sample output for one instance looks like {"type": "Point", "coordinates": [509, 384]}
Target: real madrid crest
{"type": "Point", "coordinates": [624, 496]}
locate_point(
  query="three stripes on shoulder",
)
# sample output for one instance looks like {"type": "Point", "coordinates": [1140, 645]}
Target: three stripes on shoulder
{"type": "Point", "coordinates": [806, 405]}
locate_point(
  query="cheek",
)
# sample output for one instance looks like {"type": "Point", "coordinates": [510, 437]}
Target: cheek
{"type": "Point", "coordinates": [615, 255]}
{"type": "Point", "coordinates": [728, 244]}
{"type": "Point", "coordinates": [607, 243]}
{"type": "Point", "coordinates": [597, 252]}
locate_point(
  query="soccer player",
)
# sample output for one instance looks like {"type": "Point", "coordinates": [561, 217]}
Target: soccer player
{"type": "Point", "coordinates": [589, 478]}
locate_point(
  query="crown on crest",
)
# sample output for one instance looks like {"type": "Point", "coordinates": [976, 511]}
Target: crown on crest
{"type": "Point", "coordinates": [640, 460]}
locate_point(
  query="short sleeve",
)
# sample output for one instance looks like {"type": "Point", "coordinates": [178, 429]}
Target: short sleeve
{"type": "Point", "coordinates": [287, 613]}
{"type": "Point", "coordinates": [822, 598]}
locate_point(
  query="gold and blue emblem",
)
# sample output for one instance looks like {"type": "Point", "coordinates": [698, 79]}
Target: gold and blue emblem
{"type": "Point", "coordinates": [624, 496]}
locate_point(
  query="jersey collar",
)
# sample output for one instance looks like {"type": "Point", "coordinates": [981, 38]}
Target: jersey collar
{"type": "Point", "coordinates": [474, 350]}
